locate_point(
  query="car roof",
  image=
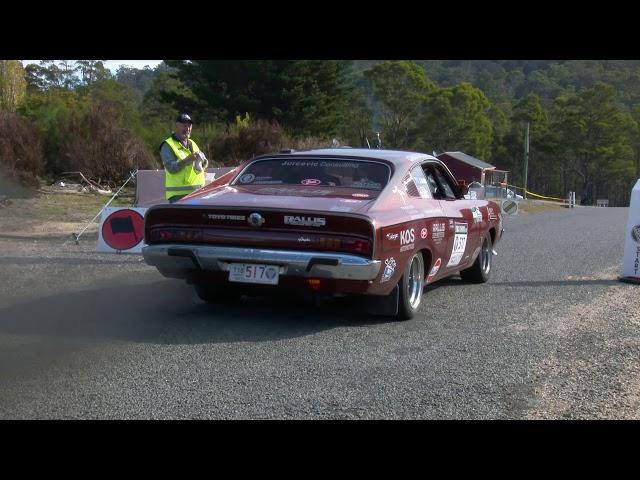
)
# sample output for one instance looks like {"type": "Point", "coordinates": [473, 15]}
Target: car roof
{"type": "Point", "coordinates": [397, 157]}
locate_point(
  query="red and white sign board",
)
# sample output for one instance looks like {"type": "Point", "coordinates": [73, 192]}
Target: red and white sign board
{"type": "Point", "coordinates": [121, 230]}
{"type": "Point", "coordinates": [631, 260]}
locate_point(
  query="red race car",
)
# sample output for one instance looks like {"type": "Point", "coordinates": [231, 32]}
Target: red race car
{"type": "Point", "coordinates": [333, 221]}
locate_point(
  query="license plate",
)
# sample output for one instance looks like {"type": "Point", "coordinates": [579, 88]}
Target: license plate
{"type": "Point", "coordinates": [253, 273]}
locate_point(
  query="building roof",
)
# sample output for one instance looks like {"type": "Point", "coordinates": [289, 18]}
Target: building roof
{"type": "Point", "coordinates": [468, 159]}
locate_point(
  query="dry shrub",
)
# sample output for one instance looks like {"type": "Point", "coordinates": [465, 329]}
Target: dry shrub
{"type": "Point", "coordinates": [21, 157]}
{"type": "Point", "coordinates": [239, 143]}
{"type": "Point", "coordinates": [97, 146]}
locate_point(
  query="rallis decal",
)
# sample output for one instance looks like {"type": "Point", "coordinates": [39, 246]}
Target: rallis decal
{"type": "Point", "coordinates": [389, 268]}
{"type": "Point", "coordinates": [305, 221]}
{"type": "Point", "coordinates": [437, 232]}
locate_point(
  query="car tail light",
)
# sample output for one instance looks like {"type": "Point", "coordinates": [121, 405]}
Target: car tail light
{"type": "Point", "coordinates": [175, 235]}
{"type": "Point", "coordinates": [314, 283]}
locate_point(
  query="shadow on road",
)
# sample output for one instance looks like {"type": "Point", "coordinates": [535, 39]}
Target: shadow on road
{"type": "Point", "coordinates": [168, 312]}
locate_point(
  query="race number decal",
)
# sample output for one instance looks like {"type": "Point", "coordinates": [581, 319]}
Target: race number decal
{"type": "Point", "coordinates": [459, 244]}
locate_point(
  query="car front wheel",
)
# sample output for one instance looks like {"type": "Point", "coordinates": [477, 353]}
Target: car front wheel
{"type": "Point", "coordinates": [411, 286]}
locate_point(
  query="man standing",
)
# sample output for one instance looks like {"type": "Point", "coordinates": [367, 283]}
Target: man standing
{"type": "Point", "coordinates": [183, 161]}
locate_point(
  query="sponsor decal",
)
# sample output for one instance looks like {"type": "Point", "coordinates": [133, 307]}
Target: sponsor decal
{"type": "Point", "coordinates": [311, 181]}
{"type": "Point", "coordinates": [635, 233]}
{"type": "Point", "coordinates": [407, 237]}
{"type": "Point", "coordinates": [247, 178]}
{"type": "Point", "coordinates": [360, 195]}
{"type": "Point", "coordinates": [305, 221]}
{"type": "Point", "coordinates": [400, 192]}
{"type": "Point", "coordinates": [636, 264]}
{"type": "Point", "coordinates": [434, 269]}
{"type": "Point", "coordinates": [459, 244]}
{"type": "Point", "coordinates": [392, 236]}
{"type": "Point", "coordinates": [437, 231]}
{"type": "Point", "coordinates": [492, 215]}
{"type": "Point", "coordinates": [270, 273]}
{"type": "Point", "coordinates": [424, 233]}
{"type": "Point", "coordinates": [296, 191]}
{"type": "Point", "coordinates": [477, 215]}
{"type": "Point", "coordinates": [389, 268]}
{"type": "Point", "coordinates": [216, 216]}
{"type": "Point", "coordinates": [304, 239]}
{"type": "Point", "coordinates": [350, 200]}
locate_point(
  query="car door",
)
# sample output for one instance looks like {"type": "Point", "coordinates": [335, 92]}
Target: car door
{"type": "Point", "coordinates": [462, 224]}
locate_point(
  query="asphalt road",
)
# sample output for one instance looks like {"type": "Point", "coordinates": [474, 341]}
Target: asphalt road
{"type": "Point", "coordinates": [552, 335]}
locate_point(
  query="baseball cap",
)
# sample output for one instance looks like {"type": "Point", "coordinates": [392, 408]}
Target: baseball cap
{"type": "Point", "coordinates": [184, 118]}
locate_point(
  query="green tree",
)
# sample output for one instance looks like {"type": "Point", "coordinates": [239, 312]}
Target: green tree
{"type": "Point", "coordinates": [596, 134]}
{"type": "Point", "coordinates": [397, 89]}
{"type": "Point", "coordinates": [13, 85]}
{"type": "Point", "coordinates": [457, 118]}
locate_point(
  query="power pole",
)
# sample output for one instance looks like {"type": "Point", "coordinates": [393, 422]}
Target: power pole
{"type": "Point", "coordinates": [526, 159]}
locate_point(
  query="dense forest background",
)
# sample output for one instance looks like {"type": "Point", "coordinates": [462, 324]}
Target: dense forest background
{"type": "Point", "coordinates": [584, 116]}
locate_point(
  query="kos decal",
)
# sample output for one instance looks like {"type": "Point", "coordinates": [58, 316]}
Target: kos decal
{"type": "Point", "coordinates": [407, 237]}
{"type": "Point", "coordinates": [389, 268]}
{"type": "Point", "coordinates": [437, 232]}
{"type": "Point", "coordinates": [424, 233]}
{"type": "Point", "coordinates": [305, 221]}
{"type": "Point", "coordinates": [434, 269]}
{"type": "Point", "coordinates": [459, 244]}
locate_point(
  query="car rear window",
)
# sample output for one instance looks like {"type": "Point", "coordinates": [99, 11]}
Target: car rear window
{"type": "Point", "coordinates": [316, 172]}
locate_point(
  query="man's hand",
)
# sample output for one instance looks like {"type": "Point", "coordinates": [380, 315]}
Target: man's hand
{"type": "Point", "coordinates": [190, 159]}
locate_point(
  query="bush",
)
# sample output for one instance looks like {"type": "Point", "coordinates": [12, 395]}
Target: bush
{"type": "Point", "coordinates": [97, 146]}
{"type": "Point", "coordinates": [21, 156]}
{"type": "Point", "coordinates": [246, 139]}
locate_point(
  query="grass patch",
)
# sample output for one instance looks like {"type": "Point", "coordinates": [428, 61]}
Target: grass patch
{"type": "Point", "coordinates": [51, 206]}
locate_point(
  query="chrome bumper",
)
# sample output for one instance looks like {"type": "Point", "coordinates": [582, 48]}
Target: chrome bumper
{"type": "Point", "coordinates": [179, 261]}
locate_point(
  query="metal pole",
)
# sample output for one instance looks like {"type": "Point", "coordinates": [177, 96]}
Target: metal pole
{"type": "Point", "coordinates": [526, 159]}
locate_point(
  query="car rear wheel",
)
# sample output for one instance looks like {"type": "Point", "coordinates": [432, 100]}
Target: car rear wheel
{"type": "Point", "coordinates": [411, 286]}
{"type": "Point", "coordinates": [215, 294]}
{"type": "Point", "coordinates": [480, 271]}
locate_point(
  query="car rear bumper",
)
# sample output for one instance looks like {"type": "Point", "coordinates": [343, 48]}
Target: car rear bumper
{"type": "Point", "coordinates": [180, 261]}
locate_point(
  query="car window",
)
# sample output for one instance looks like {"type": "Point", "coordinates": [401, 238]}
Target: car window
{"type": "Point", "coordinates": [421, 181]}
{"type": "Point", "coordinates": [313, 172]}
{"type": "Point", "coordinates": [444, 182]}
{"type": "Point", "coordinates": [440, 185]}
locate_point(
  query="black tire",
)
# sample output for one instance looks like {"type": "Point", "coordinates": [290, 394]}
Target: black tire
{"type": "Point", "coordinates": [411, 286]}
{"type": "Point", "coordinates": [215, 294]}
{"type": "Point", "coordinates": [480, 271]}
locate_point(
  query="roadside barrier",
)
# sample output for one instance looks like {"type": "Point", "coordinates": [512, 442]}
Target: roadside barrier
{"type": "Point", "coordinates": [631, 259]}
{"type": "Point", "coordinates": [537, 195]}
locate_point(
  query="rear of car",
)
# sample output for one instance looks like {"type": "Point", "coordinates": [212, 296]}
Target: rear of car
{"type": "Point", "coordinates": [282, 222]}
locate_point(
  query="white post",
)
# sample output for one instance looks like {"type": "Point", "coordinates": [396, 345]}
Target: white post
{"type": "Point", "coordinates": [631, 259]}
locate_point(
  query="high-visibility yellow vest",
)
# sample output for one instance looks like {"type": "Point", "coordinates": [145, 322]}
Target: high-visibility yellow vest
{"type": "Point", "coordinates": [188, 178]}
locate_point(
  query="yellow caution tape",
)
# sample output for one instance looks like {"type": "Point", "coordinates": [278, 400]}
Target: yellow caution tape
{"type": "Point", "coordinates": [534, 194]}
